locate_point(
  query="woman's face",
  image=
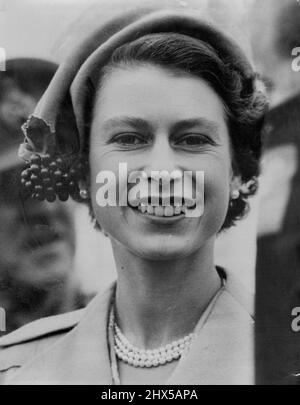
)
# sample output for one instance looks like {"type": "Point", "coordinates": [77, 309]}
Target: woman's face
{"type": "Point", "coordinates": [152, 119]}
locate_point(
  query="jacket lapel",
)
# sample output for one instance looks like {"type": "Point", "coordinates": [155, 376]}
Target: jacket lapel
{"type": "Point", "coordinates": [222, 353]}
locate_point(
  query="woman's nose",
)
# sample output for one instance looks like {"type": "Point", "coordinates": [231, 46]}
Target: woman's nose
{"type": "Point", "coordinates": [163, 173]}
{"type": "Point", "coordinates": [161, 158]}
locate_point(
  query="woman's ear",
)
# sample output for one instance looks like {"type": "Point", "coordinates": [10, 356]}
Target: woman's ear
{"type": "Point", "coordinates": [235, 187]}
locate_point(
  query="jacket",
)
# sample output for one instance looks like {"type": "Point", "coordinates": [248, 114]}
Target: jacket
{"type": "Point", "coordinates": [72, 348]}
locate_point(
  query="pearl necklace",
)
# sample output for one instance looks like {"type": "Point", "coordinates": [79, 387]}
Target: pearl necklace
{"type": "Point", "coordinates": [131, 355]}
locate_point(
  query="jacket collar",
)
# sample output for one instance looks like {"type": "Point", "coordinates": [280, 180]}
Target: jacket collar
{"type": "Point", "coordinates": [222, 352]}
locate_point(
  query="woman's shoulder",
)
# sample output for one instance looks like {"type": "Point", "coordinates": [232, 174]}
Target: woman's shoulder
{"type": "Point", "coordinates": [18, 347]}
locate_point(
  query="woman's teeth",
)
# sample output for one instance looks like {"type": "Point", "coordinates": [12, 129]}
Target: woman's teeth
{"type": "Point", "coordinates": [160, 211]}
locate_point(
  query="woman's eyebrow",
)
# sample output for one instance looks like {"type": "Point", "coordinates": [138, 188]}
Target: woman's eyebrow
{"type": "Point", "coordinates": [139, 123]}
{"type": "Point", "coordinates": [202, 122]}
{"type": "Point", "coordinates": [133, 122]}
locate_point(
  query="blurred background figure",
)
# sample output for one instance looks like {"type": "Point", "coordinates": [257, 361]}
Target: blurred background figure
{"type": "Point", "coordinates": [37, 239]}
{"type": "Point", "coordinates": [278, 249]}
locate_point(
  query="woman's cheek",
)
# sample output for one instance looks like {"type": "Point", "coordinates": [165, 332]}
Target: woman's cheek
{"type": "Point", "coordinates": [216, 197]}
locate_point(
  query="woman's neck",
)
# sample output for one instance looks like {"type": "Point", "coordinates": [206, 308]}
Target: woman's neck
{"type": "Point", "coordinates": [160, 301]}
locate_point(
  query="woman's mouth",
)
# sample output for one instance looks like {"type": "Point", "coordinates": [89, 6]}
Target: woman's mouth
{"type": "Point", "coordinates": [162, 210]}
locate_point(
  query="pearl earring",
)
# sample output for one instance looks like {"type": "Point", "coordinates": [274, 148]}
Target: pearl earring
{"type": "Point", "coordinates": [235, 194]}
{"type": "Point", "coordinates": [83, 194]}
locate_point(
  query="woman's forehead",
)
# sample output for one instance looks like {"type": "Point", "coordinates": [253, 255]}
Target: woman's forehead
{"type": "Point", "coordinates": [152, 94]}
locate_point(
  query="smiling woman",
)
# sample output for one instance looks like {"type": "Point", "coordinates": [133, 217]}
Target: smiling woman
{"type": "Point", "coordinates": [160, 93]}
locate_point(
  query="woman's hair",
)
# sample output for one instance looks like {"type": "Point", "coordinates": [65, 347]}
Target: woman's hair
{"type": "Point", "coordinates": [244, 105]}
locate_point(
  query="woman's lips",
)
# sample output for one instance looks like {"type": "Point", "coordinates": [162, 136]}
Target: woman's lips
{"type": "Point", "coordinates": [157, 218]}
{"type": "Point", "coordinates": [159, 209]}
{"type": "Point", "coordinates": [162, 211]}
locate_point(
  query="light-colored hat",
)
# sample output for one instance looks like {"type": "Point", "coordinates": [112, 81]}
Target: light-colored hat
{"type": "Point", "coordinates": [60, 122]}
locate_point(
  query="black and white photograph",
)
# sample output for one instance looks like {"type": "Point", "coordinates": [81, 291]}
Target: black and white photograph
{"type": "Point", "coordinates": [149, 195]}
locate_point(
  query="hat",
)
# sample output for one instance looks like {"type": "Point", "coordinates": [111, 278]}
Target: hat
{"type": "Point", "coordinates": [60, 121]}
{"type": "Point", "coordinates": [21, 86]}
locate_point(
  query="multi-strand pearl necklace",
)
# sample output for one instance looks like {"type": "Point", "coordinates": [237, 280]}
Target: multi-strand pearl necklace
{"type": "Point", "coordinates": [126, 352]}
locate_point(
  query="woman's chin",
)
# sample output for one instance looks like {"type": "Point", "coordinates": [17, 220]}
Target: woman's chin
{"type": "Point", "coordinates": [163, 249]}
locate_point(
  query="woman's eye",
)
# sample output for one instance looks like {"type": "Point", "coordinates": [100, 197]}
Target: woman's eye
{"type": "Point", "coordinates": [193, 140]}
{"type": "Point", "coordinates": [129, 139]}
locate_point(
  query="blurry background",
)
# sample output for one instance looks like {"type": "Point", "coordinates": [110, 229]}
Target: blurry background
{"type": "Point", "coordinates": [49, 28]}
